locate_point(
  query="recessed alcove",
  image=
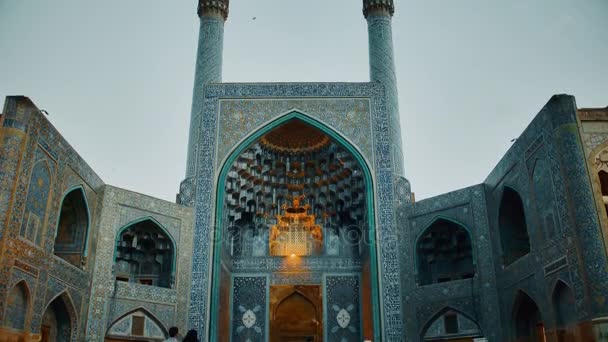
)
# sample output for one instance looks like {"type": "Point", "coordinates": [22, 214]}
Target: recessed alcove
{"type": "Point", "coordinates": [72, 229]}
{"type": "Point", "coordinates": [444, 253]}
{"type": "Point", "coordinates": [294, 191]}
{"type": "Point", "coordinates": [145, 255]}
{"type": "Point", "coordinates": [294, 212]}
{"type": "Point", "coordinates": [514, 237]}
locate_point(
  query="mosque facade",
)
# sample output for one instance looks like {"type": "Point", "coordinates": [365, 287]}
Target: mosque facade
{"type": "Point", "coordinates": [295, 222]}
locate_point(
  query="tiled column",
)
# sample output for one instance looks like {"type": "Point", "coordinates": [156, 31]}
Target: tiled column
{"type": "Point", "coordinates": [208, 70]}
{"type": "Point", "coordinates": [382, 67]}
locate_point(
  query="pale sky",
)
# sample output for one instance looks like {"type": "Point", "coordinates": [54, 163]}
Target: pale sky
{"type": "Point", "coordinates": [116, 76]}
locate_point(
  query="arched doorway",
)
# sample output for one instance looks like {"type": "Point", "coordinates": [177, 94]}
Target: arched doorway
{"type": "Point", "coordinates": [294, 206]}
{"type": "Point", "coordinates": [16, 306]}
{"type": "Point", "coordinates": [565, 315]}
{"type": "Point", "coordinates": [527, 322]}
{"type": "Point", "coordinates": [57, 322]}
{"type": "Point", "coordinates": [296, 313]}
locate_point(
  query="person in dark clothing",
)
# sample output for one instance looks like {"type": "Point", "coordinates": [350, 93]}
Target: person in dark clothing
{"type": "Point", "coordinates": [191, 336]}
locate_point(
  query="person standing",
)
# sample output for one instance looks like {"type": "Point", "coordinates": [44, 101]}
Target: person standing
{"type": "Point", "coordinates": [173, 332]}
{"type": "Point", "coordinates": [191, 336]}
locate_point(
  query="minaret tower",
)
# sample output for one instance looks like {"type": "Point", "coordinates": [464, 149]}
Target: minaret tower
{"type": "Point", "coordinates": [212, 14]}
{"type": "Point", "coordinates": [382, 66]}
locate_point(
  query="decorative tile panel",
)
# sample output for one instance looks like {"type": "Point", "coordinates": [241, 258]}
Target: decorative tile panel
{"type": "Point", "coordinates": [111, 299]}
{"type": "Point", "coordinates": [241, 117]}
{"type": "Point", "coordinates": [342, 308]}
{"type": "Point", "coordinates": [249, 309]}
{"type": "Point", "coordinates": [382, 160]}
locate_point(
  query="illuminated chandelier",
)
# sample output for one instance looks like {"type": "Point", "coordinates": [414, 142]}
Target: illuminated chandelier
{"type": "Point", "coordinates": [295, 233]}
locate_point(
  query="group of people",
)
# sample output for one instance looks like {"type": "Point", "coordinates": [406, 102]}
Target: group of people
{"type": "Point", "coordinates": [191, 336]}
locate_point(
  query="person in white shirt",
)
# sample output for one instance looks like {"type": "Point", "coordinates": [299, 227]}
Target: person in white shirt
{"type": "Point", "coordinates": [173, 332]}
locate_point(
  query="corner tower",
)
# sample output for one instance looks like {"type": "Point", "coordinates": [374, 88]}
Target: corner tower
{"type": "Point", "coordinates": [212, 15]}
{"type": "Point", "coordinates": [378, 14]}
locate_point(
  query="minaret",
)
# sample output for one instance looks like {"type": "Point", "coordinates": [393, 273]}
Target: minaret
{"type": "Point", "coordinates": [382, 66]}
{"type": "Point", "coordinates": [212, 14]}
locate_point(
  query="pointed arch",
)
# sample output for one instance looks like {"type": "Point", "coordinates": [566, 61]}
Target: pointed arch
{"type": "Point", "coordinates": [296, 305]}
{"type": "Point", "coordinates": [512, 226]}
{"type": "Point", "coordinates": [526, 318]}
{"type": "Point", "coordinates": [61, 312]}
{"type": "Point", "coordinates": [157, 246]}
{"type": "Point", "coordinates": [17, 306]}
{"type": "Point", "coordinates": [544, 197]}
{"type": "Point", "coordinates": [126, 320]}
{"type": "Point", "coordinates": [564, 305]}
{"type": "Point", "coordinates": [295, 310]}
{"type": "Point", "coordinates": [66, 298]}
{"type": "Point", "coordinates": [442, 323]}
{"type": "Point", "coordinates": [457, 260]}
{"type": "Point", "coordinates": [221, 177]}
{"type": "Point", "coordinates": [295, 291]}
{"type": "Point", "coordinates": [36, 204]}
{"type": "Point", "coordinates": [73, 226]}
{"type": "Point", "coordinates": [285, 117]}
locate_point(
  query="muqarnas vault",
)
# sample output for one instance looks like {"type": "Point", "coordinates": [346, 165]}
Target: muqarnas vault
{"type": "Point", "coordinates": [295, 223]}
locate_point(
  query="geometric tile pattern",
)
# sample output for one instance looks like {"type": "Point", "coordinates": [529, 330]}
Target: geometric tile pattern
{"type": "Point", "coordinates": [207, 173]}
{"type": "Point", "coordinates": [342, 307]}
{"type": "Point", "coordinates": [240, 117]}
{"type": "Point", "coordinates": [249, 303]}
{"type": "Point", "coordinates": [111, 299]}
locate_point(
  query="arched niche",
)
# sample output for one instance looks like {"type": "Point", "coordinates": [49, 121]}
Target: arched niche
{"type": "Point", "coordinates": [137, 325]}
{"type": "Point", "coordinates": [145, 254]}
{"type": "Point", "coordinates": [294, 167]}
{"type": "Point", "coordinates": [450, 324]}
{"type": "Point", "coordinates": [73, 228]}
{"type": "Point", "coordinates": [59, 321]}
{"type": "Point", "coordinates": [294, 172]}
{"type": "Point", "coordinates": [545, 198]}
{"type": "Point", "coordinates": [514, 237]}
{"type": "Point", "coordinates": [527, 323]}
{"type": "Point", "coordinates": [564, 310]}
{"type": "Point", "coordinates": [17, 305]}
{"type": "Point", "coordinates": [444, 253]}
{"type": "Point", "coordinates": [32, 227]}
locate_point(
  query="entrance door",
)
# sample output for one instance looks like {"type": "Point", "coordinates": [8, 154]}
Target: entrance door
{"type": "Point", "coordinates": [296, 313]}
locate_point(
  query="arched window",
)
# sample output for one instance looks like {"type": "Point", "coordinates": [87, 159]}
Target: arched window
{"type": "Point", "coordinates": [565, 316]}
{"type": "Point", "coordinates": [527, 322]}
{"type": "Point", "coordinates": [444, 253]}
{"type": "Point", "coordinates": [514, 237]}
{"type": "Point", "coordinates": [450, 324]}
{"type": "Point", "coordinates": [71, 238]}
{"type": "Point", "coordinates": [16, 307]}
{"type": "Point", "coordinates": [145, 254]}
{"type": "Point", "coordinates": [36, 203]}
